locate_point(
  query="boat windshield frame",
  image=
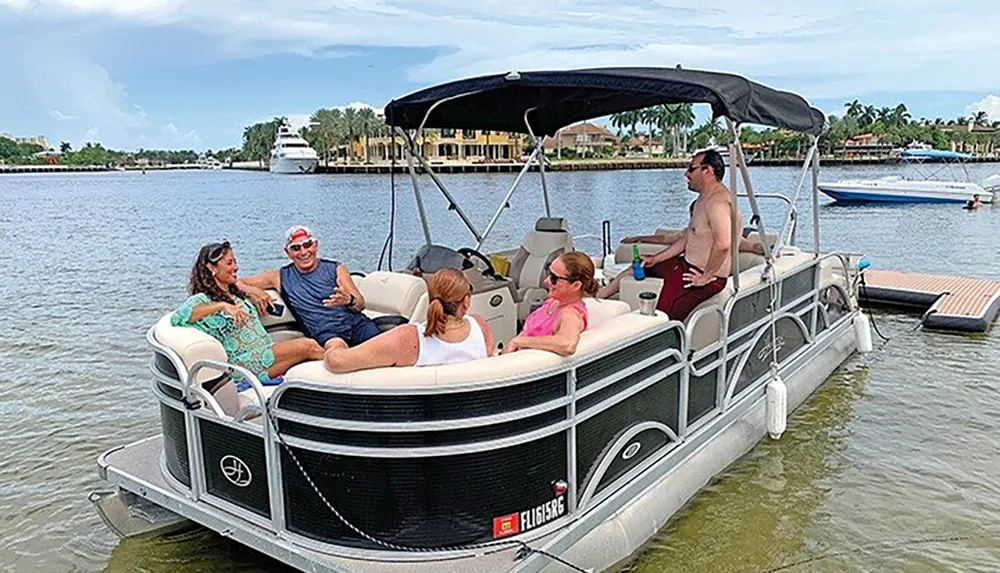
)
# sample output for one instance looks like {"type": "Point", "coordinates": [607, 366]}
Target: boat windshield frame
{"type": "Point", "coordinates": [939, 162]}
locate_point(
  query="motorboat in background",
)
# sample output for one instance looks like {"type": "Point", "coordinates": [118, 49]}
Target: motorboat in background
{"type": "Point", "coordinates": [923, 188]}
{"type": "Point", "coordinates": [291, 153]}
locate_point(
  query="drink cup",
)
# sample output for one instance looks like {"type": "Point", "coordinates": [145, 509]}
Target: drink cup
{"type": "Point", "coordinates": [647, 303]}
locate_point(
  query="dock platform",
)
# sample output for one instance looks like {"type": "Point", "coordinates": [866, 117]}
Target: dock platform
{"type": "Point", "coordinates": [950, 303]}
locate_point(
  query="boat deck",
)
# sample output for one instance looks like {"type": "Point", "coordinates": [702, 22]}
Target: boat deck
{"type": "Point", "coordinates": [951, 303]}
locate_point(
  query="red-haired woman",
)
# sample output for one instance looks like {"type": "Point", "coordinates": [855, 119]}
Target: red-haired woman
{"type": "Point", "coordinates": [556, 325]}
{"type": "Point", "coordinates": [449, 336]}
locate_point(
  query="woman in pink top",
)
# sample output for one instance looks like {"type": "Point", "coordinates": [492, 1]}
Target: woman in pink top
{"type": "Point", "coordinates": [557, 324]}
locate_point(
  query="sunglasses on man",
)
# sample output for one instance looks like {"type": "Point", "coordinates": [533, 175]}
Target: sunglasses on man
{"type": "Point", "coordinates": [217, 250]}
{"type": "Point", "coordinates": [693, 168]}
{"type": "Point", "coordinates": [296, 247]}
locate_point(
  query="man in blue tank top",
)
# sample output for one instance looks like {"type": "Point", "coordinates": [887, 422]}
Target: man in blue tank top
{"type": "Point", "coordinates": [319, 292]}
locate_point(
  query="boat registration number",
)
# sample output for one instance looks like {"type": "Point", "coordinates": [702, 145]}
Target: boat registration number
{"type": "Point", "coordinates": [527, 520]}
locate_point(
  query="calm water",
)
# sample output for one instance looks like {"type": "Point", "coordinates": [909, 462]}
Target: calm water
{"type": "Point", "coordinates": [891, 466]}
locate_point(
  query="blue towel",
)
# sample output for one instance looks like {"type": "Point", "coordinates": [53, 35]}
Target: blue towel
{"type": "Point", "coordinates": [244, 385]}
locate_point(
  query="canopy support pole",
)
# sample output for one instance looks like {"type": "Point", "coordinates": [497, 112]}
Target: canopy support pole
{"type": "Point", "coordinates": [815, 196]}
{"type": "Point", "coordinates": [410, 144]}
{"type": "Point", "coordinates": [506, 199]}
{"type": "Point", "coordinates": [735, 232]}
{"type": "Point", "coordinates": [790, 221]}
{"type": "Point", "coordinates": [539, 145]}
{"type": "Point", "coordinates": [452, 204]}
{"type": "Point", "coordinates": [740, 161]}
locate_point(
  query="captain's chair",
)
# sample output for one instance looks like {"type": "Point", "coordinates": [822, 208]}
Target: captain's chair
{"type": "Point", "coordinates": [530, 264]}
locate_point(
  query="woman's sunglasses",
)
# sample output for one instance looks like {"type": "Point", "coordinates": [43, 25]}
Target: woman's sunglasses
{"type": "Point", "coordinates": [296, 247]}
{"type": "Point", "coordinates": [554, 278]}
{"type": "Point", "coordinates": [216, 252]}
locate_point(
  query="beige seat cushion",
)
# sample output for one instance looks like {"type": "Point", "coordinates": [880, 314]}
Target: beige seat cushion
{"type": "Point", "coordinates": [522, 363]}
{"type": "Point", "coordinates": [286, 315]}
{"type": "Point", "coordinates": [706, 331]}
{"type": "Point", "coordinates": [191, 345]}
{"type": "Point", "coordinates": [538, 249]}
{"type": "Point", "coordinates": [601, 312]}
{"type": "Point", "coordinates": [394, 293]}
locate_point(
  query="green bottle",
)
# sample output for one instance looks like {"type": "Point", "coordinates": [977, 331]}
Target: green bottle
{"type": "Point", "coordinates": [637, 272]}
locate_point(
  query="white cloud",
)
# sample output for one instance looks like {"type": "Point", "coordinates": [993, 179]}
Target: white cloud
{"type": "Point", "coordinates": [60, 116]}
{"type": "Point", "coordinates": [818, 48]}
{"type": "Point", "coordinates": [72, 88]}
{"type": "Point", "coordinates": [359, 105]}
{"type": "Point", "coordinates": [990, 104]}
{"type": "Point", "coordinates": [824, 49]}
{"type": "Point", "coordinates": [176, 137]}
{"type": "Point", "coordinates": [90, 137]}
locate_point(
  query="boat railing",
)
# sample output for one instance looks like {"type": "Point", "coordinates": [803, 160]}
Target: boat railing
{"type": "Point", "coordinates": [568, 422]}
{"type": "Point", "coordinates": [796, 296]}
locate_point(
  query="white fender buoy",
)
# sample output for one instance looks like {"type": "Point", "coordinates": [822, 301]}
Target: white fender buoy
{"type": "Point", "coordinates": [863, 333]}
{"type": "Point", "coordinates": [776, 401]}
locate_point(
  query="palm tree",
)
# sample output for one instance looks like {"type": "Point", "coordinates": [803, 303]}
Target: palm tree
{"type": "Point", "coordinates": [867, 117]}
{"type": "Point", "coordinates": [620, 120]}
{"type": "Point", "coordinates": [366, 124]}
{"type": "Point", "coordinates": [352, 128]}
{"type": "Point", "coordinates": [65, 147]}
{"type": "Point", "coordinates": [854, 109]}
{"type": "Point", "coordinates": [685, 116]}
{"type": "Point", "coordinates": [981, 118]}
{"type": "Point", "coordinates": [899, 115]}
{"type": "Point", "coordinates": [324, 131]}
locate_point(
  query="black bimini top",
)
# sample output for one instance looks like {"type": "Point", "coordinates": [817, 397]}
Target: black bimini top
{"type": "Point", "coordinates": [560, 98]}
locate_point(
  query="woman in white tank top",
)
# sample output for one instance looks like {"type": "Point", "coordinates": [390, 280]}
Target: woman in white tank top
{"type": "Point", "coordinates": [449, 336]}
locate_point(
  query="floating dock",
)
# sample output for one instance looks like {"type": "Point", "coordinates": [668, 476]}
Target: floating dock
{"type": "Point", "coordinates": [949, 303]}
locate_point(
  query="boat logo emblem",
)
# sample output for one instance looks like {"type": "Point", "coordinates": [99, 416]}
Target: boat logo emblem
{"type": "Point", "coordinates": [236, 471]}
{"type": "Point", "coordinates": [631, 450]}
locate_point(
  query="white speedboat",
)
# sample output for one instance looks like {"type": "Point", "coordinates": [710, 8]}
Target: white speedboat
{"type": "Point", "coordinates": [901, 189]}
{"type": "Point", "coordinates": [522, 462]}
{"type": "Point", "coordinates": [291, 153]}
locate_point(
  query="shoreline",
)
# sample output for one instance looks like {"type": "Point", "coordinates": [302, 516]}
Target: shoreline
{"type": "Point", "coordinates": [458, 167]}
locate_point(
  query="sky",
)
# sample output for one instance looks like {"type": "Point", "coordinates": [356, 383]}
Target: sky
{"type": "Point", "coordinates": [192, 73]}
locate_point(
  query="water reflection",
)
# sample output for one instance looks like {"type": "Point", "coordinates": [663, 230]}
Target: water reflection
{"type": "Point", "coordinates": [758, 513]}
{"type": "Point", "coordinates": [192, 548]}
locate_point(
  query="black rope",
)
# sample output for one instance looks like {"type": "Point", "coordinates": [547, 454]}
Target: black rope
{"type": "Point", "coordinates": [871, 316]}
{"type": "Point", "coordinates": [523, 552]}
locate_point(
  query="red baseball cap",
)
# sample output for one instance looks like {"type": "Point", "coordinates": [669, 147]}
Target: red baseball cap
{"type": "Point", "coordinates": [297, 234]}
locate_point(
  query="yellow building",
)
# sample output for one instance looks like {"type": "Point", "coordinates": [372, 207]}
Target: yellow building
{"type": "Point", "coordinates": [440, 145]}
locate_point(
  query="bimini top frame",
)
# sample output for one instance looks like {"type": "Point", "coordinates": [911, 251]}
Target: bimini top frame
{"type": "Point", "coordinates": [541, 103]}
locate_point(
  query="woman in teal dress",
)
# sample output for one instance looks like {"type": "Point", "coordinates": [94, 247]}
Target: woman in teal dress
{"type": "Point", "coordinates": [220, 309]}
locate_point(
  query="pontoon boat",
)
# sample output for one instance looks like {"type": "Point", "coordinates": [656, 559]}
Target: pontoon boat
{"type": "Point", "coordinates": [526, 461]}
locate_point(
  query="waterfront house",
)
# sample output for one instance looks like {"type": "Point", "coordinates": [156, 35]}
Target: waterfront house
{"type": "Point", "coordinates": [584, 139]}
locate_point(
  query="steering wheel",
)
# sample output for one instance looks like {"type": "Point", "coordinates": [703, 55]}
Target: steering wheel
{"type": "Point", "coordinates": [470, 253]}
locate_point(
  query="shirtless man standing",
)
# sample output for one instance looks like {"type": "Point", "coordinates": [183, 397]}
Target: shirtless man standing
{"type": "Point", "coordinates": [695, 266]}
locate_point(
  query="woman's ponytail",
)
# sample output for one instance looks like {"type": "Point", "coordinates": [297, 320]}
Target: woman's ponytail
{"type": "Point", "coordinates": [447, 289]}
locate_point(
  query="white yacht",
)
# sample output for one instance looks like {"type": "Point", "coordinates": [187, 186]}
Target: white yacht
{"type": "Point", "coordinates": [206, 162]}
{"type": "Point", "coordinates": [518, 463]}
{"type": "Point", "coordinates": [291, 153]}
